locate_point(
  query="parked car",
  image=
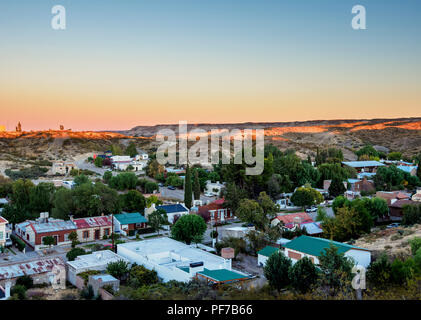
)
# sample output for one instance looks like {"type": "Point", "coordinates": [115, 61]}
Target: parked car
{"type": "Point", "coordinates": [160, 184]}
{"type": "Point", "coordinates": [171, 188]}
{"type": "Point", "coordinates": [312, 209]}
{"type": "Point", "coordinates": [208, 194]}
{"type": "Point", "coordinates": [393, 225]}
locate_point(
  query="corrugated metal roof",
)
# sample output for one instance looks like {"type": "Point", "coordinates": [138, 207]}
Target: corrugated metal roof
{"type": "Point", "coordinates": [315, 246]}
{"type": "Point", "coordinates": [268, 251]}
{"type": "Point", "coordinates": [172, 208]}
{"type": "Point", "coordinates": [363, 164]}
{"type": "Point", "coordinates": [407, 169]}
{"type": "Point", "coordinates": [129, 218]}
{"type": "Point", "coordinates": [93, 222]}
{"type": "Point", "coordinates": [222, 275]}
{"type": "Point", "coordinates": [28, 268]}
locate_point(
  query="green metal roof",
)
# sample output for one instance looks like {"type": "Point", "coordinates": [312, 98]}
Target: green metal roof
{"type": "Point", "coordinates": [185, 269]}
{"type": "Point", "coordinates": [268, 251]}
{"type": "Point", "coordinates": [129, 218]}
{"type": "Point", "coordinates": [221, 275]}
{"type": "Point", "coordinates": [315, 246]}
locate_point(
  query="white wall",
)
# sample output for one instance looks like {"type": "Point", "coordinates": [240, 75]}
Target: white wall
{"type": "Point", "coordinates": [360, 257]}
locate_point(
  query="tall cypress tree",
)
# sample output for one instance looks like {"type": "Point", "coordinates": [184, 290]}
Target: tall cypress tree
{"type": "Point", "coordinates": [196, 186]}
{"type": "Point", "coordinates": [188, 189]}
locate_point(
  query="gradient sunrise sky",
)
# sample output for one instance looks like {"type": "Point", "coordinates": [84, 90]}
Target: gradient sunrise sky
{"type": "Point", "coordinates": [125, 63]}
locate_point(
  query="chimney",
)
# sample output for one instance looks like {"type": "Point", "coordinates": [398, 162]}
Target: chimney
{"type": "Point", "coordinates": [71, 217]}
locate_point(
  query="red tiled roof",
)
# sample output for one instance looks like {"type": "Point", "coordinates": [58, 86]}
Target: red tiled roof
{"type": "Point", "coordinates": [93, 222]}
{"type": "Point", "coordinates": [218, 204]}
{"type": "Point", "coordinates": [289, 218]}
{"type": "Point", "coordinates": [401, 203]}
{"type": "Point", "coordinates": [3, 220]}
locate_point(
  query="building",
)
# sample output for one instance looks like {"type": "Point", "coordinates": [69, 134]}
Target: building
{"type": "Point", "coordinates": [236, 232]}
{"type": "Point", "coordinates": [417, 196]}
{"type": "Point", "coordinates": [289, 220]}
{"type": "Point", "coordinates": [99, 281]}
{"type": "Point", "coordinates": [311, 247]}
{"type": "Point", "coordinates": [214, 188]}
{"type": "Point", "coordinates": [123, 162]}
{"type": "Point", "coordinates": [264, 254]}
{"type": "Point", "coordinates": [412, 170]}
{"type": "Point", "coordinates": [392, 196]}
{"type": "Point", "coordinates": [174, 210]}
{"type": "Point", "coordinates": [215, 212]}
{"type": "Point", "coordinates": [94, 228]}
{"type": "Point", "coordinates": [174, 260]}
{"type": "Point", "coordinates": [33, 232]}
{"type": "Point", "coordinates": [361, 185]}
{"type": "Point", "coordinates": [127, 223]}
{"type": "Point", "coordinates": [95, 261]}
{"type": "Point", "coordinates": [364, 166]}
{"type": "Point", "coordinates": [62, 167]}
{"type": "Point", "coordinates": [5, 233]}
{"type": "Point", "coordinates": [39, 270]}
{"type": "Point", "coordinates": [396, 208]}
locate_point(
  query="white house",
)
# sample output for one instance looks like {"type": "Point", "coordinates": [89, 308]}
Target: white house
{"type": "Point", "coordinates": [311, 247]}
{"type": "Point", "coordinates": [214, 188]}
{"type": "Point", "coordinates": [95, 261]}
{"type": "Point", "coordinates": [174, 260]}
{"type": "Point", "coordinates": [264, 254]}
{"type": "Point", "coordinates": [123, 162]}
{"type": "Point", "coordinates": [5, 233]}
{"type": "Point", "coordinates": [173, 210]}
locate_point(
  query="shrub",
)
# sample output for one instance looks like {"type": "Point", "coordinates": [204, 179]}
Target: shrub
{"type": "Point", "coordinates": [18, 242]}
{"type": "Point", "coordinates": [25, 281]}
{"type": "Point", "coordinates": [75, 252]}
{"type": "Point", "coordinates": [276, 270]}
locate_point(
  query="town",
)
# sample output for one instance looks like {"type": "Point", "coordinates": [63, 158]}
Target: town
{"type": "Point", "coordinates": [117, 224]}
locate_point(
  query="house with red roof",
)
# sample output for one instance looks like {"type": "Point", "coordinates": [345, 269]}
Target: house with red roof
{"type": "Point", "coordinates": [215, 212]}
{"type": "Point", "coordinates": [289, 220]}
{"type": "Point", "coordinates": [93, 228]}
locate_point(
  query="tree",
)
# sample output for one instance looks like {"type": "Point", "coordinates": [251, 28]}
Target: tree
{"type": "Point", "coordinates": [251, 212]}
{"type": "Point", "coordinates": [25, 281]}
{"type": "Point", "coordinates": [379, 271]}
{"type": "Point", "coordinates": [196, 185]}
{"type": "Point", "coordinates": [270, 208]}
{"type": "Point", "coordinates": [140, 276]}
{"type": "Point", "coordinates": [303, 275]}
{"type": "Point", "coordinates": [415, 244]}
{"type": "Point", "coordinates": [150, 187]}
{"type": "Point", "coordinates": [81, 179]}
{"type": "Point", "coordinates": [131, 150]}
{"type": "Point", "coordinates": [276, 270]}
{"type": "Point", "coordinates": [336, 188]}
{"type": "Point", "coordinates": [74, 238]}
{"type": "Point", "coordinates": [188, 189]}
{"type": "Point", "coordinates": [187, 227]}
{"type": "Point", "coordinates": [48, 241]}
{"type": "Point", "coordinates": [133, 201]}
{"type": "Point", "coordinates": [74, 253]}
{"type": "Point", "coordinates": [335, 268]}
{"type": "Point", "coordinates": [107, 176]}
{"type": "Point", "coordinates": [394, 156]}
{"type": "Point", "coordinates": [233, 196]}
{"type": "Point", "coordinates": [305, 197]}
{"type": "Point", "coordinates": [157, 218]}
{"type": "Point", "coordinates": [41, 197]}
{"type": "Point", "coordinates": [98, 162]}
{"type": "Point", "coordinates": [118, 269]}
{"type": "Point", "coordinates": [124, 181]}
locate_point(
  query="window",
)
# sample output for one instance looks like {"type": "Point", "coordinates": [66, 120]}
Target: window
{"type": "Point", "coordinates": [1, 235]}
{"type": "Point", "coordinates": [85, 234]}
{"type": "Point", "coordinates": [106, 232]}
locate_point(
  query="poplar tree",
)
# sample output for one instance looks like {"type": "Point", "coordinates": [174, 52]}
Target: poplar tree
{"type": "Point", "coordinates": [188, 189]}
{"type": "Point", "coordinates": [196, 186]}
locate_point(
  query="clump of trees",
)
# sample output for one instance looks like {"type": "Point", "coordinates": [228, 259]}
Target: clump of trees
{"type": "Point", "coordinates": [189, 228]}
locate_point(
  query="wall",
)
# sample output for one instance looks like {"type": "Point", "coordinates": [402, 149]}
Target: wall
{"type": "Point", "coordinates": [361, 257]}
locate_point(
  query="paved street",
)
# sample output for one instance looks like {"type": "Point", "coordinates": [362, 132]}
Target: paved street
{"type": "Point", "coordinates": [179, 195]}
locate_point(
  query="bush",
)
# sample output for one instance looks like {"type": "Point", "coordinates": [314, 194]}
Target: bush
{"type": "Point", "coordinates": [276, 270]}
{"type": "Point", "coordinates": [75, 252]}
{"type": "Point", "coordinates": [140, 276]}
{"type": "Point", "coordinates": [303, 275]}
{"type": "Point", "coordinates": [19, 291]}
{"type": "Point", "coordinates": [25, 281]}
{"type": "Point", "coordinates": [18, 242]}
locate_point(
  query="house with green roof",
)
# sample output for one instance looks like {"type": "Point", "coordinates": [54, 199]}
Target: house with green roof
{"type": "Point", "coordinates": [264, 254]}
{"type": "Point", "coordinates": [127, 223]}
{"type": "Point", "coordinates": [311, 247]}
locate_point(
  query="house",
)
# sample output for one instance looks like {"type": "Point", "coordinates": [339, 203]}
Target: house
{"type": "Point", "coordinates": [5, 291]}
{"type": "Point", "coordinates": [174, 170]}
{"type": "Point", "coordinates": [236, 232]}
{"type": "Point", "coordinates": [215, 212]}
{"type": "Point", "coordinates": [127, 223]}
{"type": "Point", "coordinates": [364, 166]}
{"type": "Point", "coordinates": [98, 281]}
{"type": "Point", "coordinates": [417, 196]}
{"type": "Point", "coordinates": [361, 185]}
{"type": "Point", "coordinates": [264, 254]}
{"type": "Point", "coordinates": [174, 260]}
{"type": "Point", "coordinates": [33, 232]}
{"type": "Point", "coordinates": [214, 188]}
{"type": "Point", "coordinates": [174, 210]}
{"type": "Point", "coordinates": [93, 228]}
{"type": "Point", "coordinates": [311, 247]}
{"type": "Point", "coordinates": [326, 185]}
{"type": "Point", "coordinates": [62, 167]}
{"type": "Point", "coordinates": [412, 170]}
{"type": "Point", "coordinates": [393, 196]}
{"type": "Point", "coordinates": [5, 233]}
{"type": "Point", "coordinates": [39, 270]}
{"type": "Point", "coordinates": [142, 154]}
{"type": "Point", "coordinates": [396, 208]}
{"type": "Point", "coordinates": [95, 261]}
{"type": "Point", "coordinates": [123, 162]}
{"type": "Point", "coordinates": [290, 219]}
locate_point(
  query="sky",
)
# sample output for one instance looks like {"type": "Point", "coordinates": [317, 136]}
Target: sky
{"type": "Point", "coordinates": [125, 63]}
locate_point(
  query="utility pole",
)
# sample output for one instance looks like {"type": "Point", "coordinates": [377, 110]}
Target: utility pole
{"type": "Point", "coordinates": [112, 232]}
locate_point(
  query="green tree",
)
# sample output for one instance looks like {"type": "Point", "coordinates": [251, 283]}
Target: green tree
{"type": "Point", "coordinates": [250, 211]}
{"type": "Point", "coordinates": [74, 238]}
{"type": "Point", "coordinates": [41, 197]}
{"type": "Point", "coordinates": [98, 162]}
{"type": "Point", "coordinates": [118, 269]}
{"type": "Point", "coordinates": [305, 197]}
{"type": "Point", "coordinates": [107, 176]}
{"type": "Point", "coordinates": [157, 218]}
{"type": "Point", "coordinates": [415, 244]}
{"type": "Point", "coordinates": [303, 275]}
{"type": "Point", "coordinates": [133, 201]}
{"type": "Point", "coordinates": [188, 189]}
{"type": "Point", "coordinates": [336, 188]}
{"type": "Point", "coordinates": [140, 276]}
{"type": "Point", "coordinates": [233, 196]}
{"type": "Point", "coordinates": [74, 253]}
{"type": "Point", "coordinates": [131, 150]}
{"type": "Point", "coordinates": [394, 156]}
{"type": "Point", "coordinates": [48, 241]}
{"type": "Point", "coordinates": [188, 227]}
{"type": "Point", "coordinates": [196, 185]}
{"type": "Point", "coordinates": [81, 179]}
{"type": "Point", "coordinates": [270, 208]}
{"type": "Point", "coordinates": [379, 272]}
{"type": "Point", "coordinates": [276, 271]}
